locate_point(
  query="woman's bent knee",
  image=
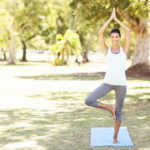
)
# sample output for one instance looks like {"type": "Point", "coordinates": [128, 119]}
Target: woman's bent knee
{"type": "Point", "coordinates": [90, 101]}
{"type": "Point", "coordinates": [87, 101]}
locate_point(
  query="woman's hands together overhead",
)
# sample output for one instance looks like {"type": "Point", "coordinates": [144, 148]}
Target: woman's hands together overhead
{"type": "Point", "coordinates": [113, 15]}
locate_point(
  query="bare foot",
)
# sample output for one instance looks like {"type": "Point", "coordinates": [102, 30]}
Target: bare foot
{"type": "Point", "coordinates": [115, 141]}
{"type": "Point", "coordinates": [113, 112]}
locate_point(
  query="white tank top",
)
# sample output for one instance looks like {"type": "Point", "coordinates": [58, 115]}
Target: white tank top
{"type": "Point", "coordinates": [115, 70]}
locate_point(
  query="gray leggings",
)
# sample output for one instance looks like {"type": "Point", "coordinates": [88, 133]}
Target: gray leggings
{"type": "Point", "coordinates": [103, 89]}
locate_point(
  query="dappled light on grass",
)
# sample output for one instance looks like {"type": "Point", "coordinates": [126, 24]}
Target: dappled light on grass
{"type": "Point", "coordinates": [45, 109]}
{"type": "Point", "coordinates": [62, 95]}
{"type": "Point", "coordinates": [22, 145]}
{"type": "Point", "coordinates": [143, 117]}
{"type": "Point", "coordinates": [144, 148]}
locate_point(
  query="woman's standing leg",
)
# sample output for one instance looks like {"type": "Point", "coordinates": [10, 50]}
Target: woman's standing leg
{"type": "Point", "coordinates": [120, 93]}
{"type": "Point", "coordinates": [100, 91]}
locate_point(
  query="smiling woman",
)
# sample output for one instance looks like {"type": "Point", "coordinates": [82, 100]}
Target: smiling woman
{"type": "Point", "coordinates": [115, 39]}
{"type": "Point", "coordinates": [115, 78]}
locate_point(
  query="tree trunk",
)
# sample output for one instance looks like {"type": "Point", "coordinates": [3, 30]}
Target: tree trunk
{"type": "Point", "coordinates": [11, 51]}
{"type": "Point", "coordinates": [140, 66]}
{"type": "Point", "coordinates": [4, 55]}
{"type": "Point", "coordinates": [141, 53]}
{"type": "Point", "coordinates": [85, 56]}
{"type": "Point", "coordinates": [24, 51]}
{"type": "Point", "coordinates": [142, 47]}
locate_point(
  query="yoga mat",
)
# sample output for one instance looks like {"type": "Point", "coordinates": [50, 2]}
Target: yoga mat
{"type": "Point", "coordinates": [104, 137]}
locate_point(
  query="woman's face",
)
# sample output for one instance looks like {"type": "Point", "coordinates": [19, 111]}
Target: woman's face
{"type": "Point", "coordinates": [115, 38]}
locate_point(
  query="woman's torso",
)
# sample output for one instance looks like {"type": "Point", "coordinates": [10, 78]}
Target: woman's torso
{"type": "Point", "coordinates": [115, 70]}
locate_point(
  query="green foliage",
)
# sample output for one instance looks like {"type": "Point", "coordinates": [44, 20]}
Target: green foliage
{"type": "Point", "coordinates": [31, 18]}
{"type": "Point", "coordinates": [73, 45]}
{"type": "Point", "coordinates": [38, 23]}
{"type": "Point", "coordinates": [66, 45]}
{"type": "Point", "coordinates": [5, 25]}
{"type": "Point", "coordinates": [91, 15]}
{"type": "Point", "coordinates": [98, 9]}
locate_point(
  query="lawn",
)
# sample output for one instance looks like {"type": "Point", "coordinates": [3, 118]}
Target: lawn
{"type": "Point", "coordinates": [42, 108]}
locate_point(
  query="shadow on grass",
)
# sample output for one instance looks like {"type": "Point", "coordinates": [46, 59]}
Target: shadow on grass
{"type": "Point", "coordinates": [142, 87]}
{"type": "Point", "coordinates": [52, 130]}
{"type": "Point", "coordinates": [69, 128]}
{"type": "Point", "coordinates": [76, 95]}
{"type": "Point", "coordinates": [74, 125]}
{"type": "Point", "coordinates": [66, 95]}
{"type": "Point", "coordinates": [76, 76]}
{"type": "Point", "coordinates": [139, 97]}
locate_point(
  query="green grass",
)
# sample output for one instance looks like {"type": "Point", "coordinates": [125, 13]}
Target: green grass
{"type": "Point", "coordinates": [69, 126]}
{"type": "Point", "coordinates": [73, 76]}
{"type": "Point", "coordinates": [66, 124]}
{"type": "Point", "coordinates": [76, 76]}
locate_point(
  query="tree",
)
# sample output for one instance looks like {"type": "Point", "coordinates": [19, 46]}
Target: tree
{"type": "Point", "coordinates": [4, 30]}
{"type": "Point", "coordinates": [29, 17]}
{"type": "Point", "coordinates": [135, 13]}
{"type": "Point", "coordinates": [66, 45]}
{"type": "Point", "coordinates": [7, 36]}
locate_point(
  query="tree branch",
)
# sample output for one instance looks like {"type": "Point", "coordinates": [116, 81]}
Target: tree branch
{"type": "Point", "coordinates": [132, 22]}
{"type": "Point", "coordinates": [32, 36]}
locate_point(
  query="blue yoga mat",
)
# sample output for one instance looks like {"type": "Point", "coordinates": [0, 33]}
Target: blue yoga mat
{"type": "Point", "coordinates": [104, 137]}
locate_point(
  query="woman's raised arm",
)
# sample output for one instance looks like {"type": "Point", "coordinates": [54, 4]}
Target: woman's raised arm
{"type": "Point", "coordinates": [126, 44]}
{"type": "Point", "coordinates": [103, 46]}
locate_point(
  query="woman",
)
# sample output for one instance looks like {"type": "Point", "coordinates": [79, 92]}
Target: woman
{"type": "Point", "coordinates": [115, 78]}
